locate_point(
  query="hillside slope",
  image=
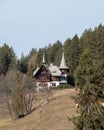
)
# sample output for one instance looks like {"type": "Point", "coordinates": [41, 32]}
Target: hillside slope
{"type": "Point", "coordinates": [52, 116]}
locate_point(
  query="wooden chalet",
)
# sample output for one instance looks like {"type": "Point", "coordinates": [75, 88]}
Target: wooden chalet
{"type": "Point", "coordinates": [51, 76]}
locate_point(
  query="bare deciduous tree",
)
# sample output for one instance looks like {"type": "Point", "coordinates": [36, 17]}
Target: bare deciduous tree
{"type": "Point", "coordinates": [6, 88]}
{"type": "Point", "coordinates": [28, 86]}
{"type": "Point", "coordinates": [17, 93]}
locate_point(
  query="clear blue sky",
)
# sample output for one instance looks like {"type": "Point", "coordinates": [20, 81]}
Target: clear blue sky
{"type": "Point", "coordinates": [26, 24]}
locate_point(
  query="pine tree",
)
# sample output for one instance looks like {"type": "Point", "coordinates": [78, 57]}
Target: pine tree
{"type": "Point", "coordinates": [39, 57]}
{"type": "Point", "coordinates": [72, 54]}
{"type": "Point", "coordinates": [22, 64]}
{"type": "Point", "coordinates": [54, 53]}
{"type": "Point", "coordinates": [90, 90]}
{"type": "Point", "coordinates": [7, 59]}
{"type": "Point", "coordinates": [32, 61]}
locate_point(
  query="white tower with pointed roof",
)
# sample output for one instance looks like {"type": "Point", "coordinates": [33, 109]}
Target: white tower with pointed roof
{"type": "Point", "coordinates": [64, 70]}
{"type": "Point", "coordinates": [63, 63]}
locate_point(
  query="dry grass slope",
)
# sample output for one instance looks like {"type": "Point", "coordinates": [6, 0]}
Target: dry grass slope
{"type": "Point", "coordinates": [52, 116]}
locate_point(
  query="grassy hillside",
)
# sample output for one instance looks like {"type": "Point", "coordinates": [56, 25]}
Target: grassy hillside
{"type": "Point", "coordinates": [52, 116]}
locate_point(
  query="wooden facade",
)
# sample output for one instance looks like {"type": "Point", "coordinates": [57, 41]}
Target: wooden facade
{"type": "Point", "coordinates": [43, 75]}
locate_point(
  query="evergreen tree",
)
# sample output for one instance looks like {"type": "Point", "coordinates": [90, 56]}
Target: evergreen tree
{"type": "Point", "coordinates": [74, 54]}
{"type": "Point", "coordinates": [67, 44]}
{"type": "Point", "coordinates": [17, 97]}
{"type": "Point", "coordinates": [55, 53]}
{"type": "Point", "coordinates": [22, 64]}
{"type": "Point", "coordinates": [59, 53]}
{"type": "Point", "coordinates": [90, 90]}
{"type": "Point", "coordinates": [39, 57]}
{"type": "Point", "coordinates": [86, 39]}
{"type": "Point", "coordinates": [32, 57]}
{"type": "Point", "coordinates": [7, 59]}
{"type": "Point", "coordinates": [72, 51]}
{"type": "Point", "coordinates": [32, 52]}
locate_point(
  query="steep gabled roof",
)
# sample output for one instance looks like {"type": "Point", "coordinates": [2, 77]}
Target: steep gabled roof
{"type": "Point", "coordinates": [38, 69]}
{"type": "Point", "coordinates": [53, 70]}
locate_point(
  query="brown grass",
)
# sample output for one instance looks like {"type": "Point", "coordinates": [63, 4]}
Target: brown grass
{"type": "Point", "coordinates": [52, 116]}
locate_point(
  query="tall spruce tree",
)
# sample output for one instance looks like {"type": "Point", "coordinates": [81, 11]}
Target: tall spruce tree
{"type": "Point", "coordinates": [72, 53]}
{"type": "Point", "coordinates": [39, 56]}
{"type": "Point", "coordinates": [32, 61]}
{"type": "Point", "coordinates": [90, 88]}
{"type": "Point", "coordinates": [22, 64]}
{"type": "Point", "coordinates": [54, 55]}
{"type": "Point", "coordinates": [7, 59]}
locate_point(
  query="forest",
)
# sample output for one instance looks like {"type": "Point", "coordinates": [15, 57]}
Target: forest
{"type": "Point", "coordinates": [73, 49]}
{"type": "Point", "coordinates": [85, 59]}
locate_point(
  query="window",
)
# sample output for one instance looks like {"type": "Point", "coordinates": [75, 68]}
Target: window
{"type": "Point", "coordinates": [62, 78]}
{"type": "Point", "coordinates": [53, 84]}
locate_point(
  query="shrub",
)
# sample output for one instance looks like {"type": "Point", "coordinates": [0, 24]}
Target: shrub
{"type": "Point", "coordinates": [62, 86]}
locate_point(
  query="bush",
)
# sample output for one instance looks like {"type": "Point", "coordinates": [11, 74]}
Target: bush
{"type": "Point", "coordinates": [62, 86]}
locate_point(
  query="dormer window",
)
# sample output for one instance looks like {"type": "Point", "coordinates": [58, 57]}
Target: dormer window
{"type": "Point", "coordinates": [54, 71]}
